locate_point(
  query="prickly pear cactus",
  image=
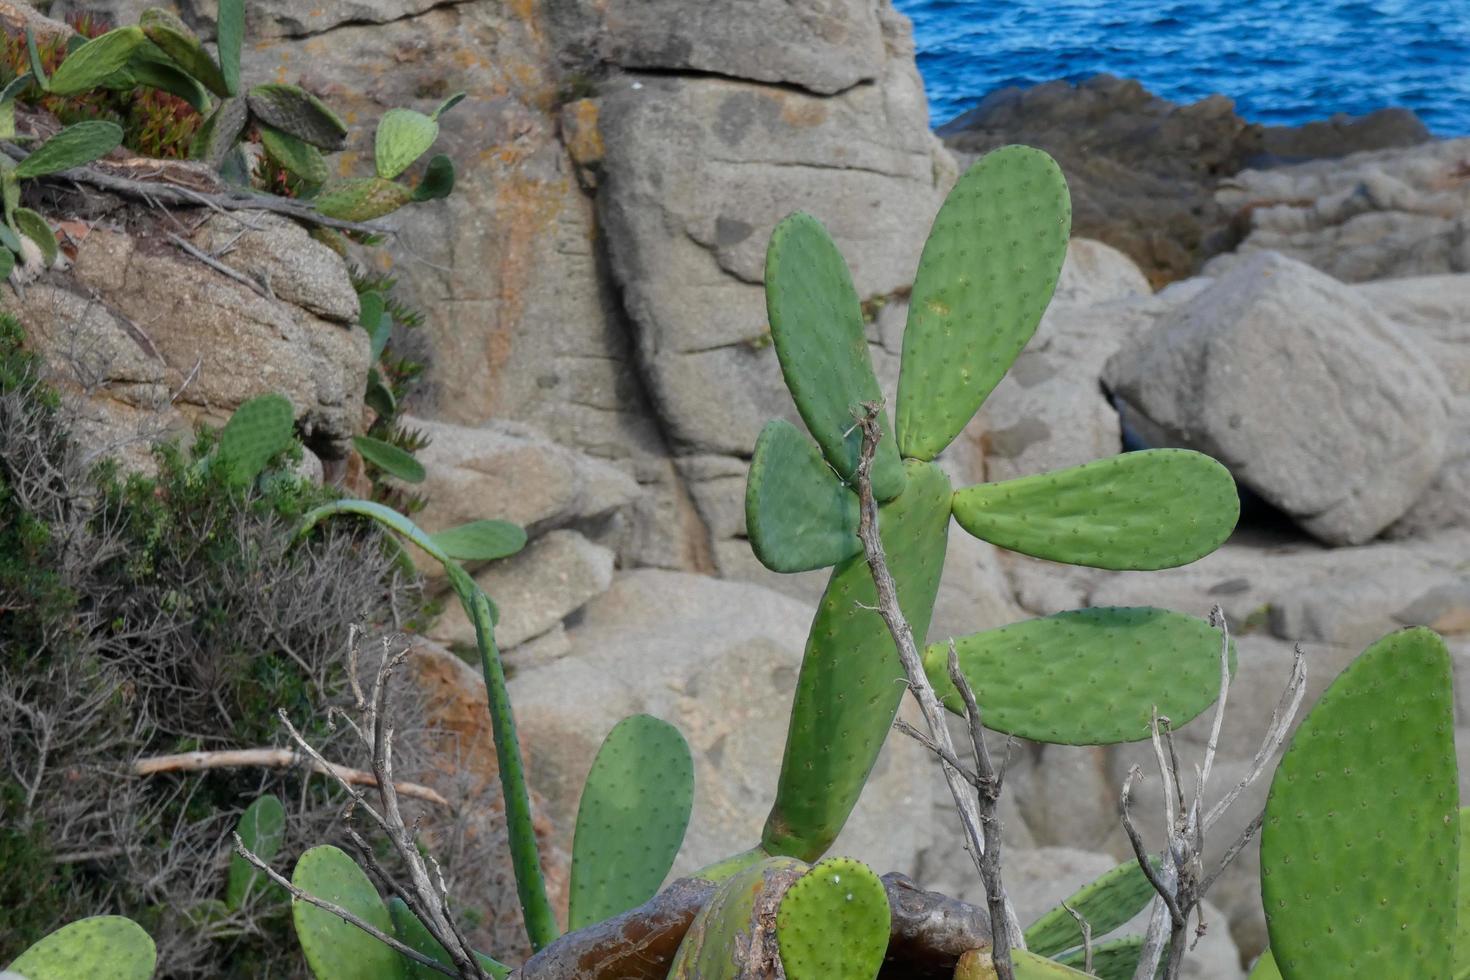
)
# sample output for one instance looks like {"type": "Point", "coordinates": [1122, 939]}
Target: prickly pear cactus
{"type": "Point", "coordinates": [337, 950]}
{"type": "Point", "coordinates": [1112, 959]}
{"type": "Point", "coordinates": [361, 198]}
{"type": "Point", "coordinates": [411, 932]}
{"type": "Point", "coordinates": [986, 275]}
{"type": "Point", "coordinates": [631, 819]}
{"type": "Point", "coordinates": [1085, 677]}
{"type": "Point", "coordinates": [730, 927]}
{"type": "Point", "coordinates": [259, 429]}
{"type": "Point", "coordinates": [262, 827]}
{"type": "Point", "coordinates": [1028, 966]}
{"type": "Point", "coordinates": [834, 922]}
{"type": "Point", "coordinates": [1361, 840]}
{"type": "Point", "coordinates": [1105, 903]}
{"type": "Point", "coordinates": [104, 947]}
{"type": "Point", "coordinates": [294, 110]}
{"type": "Point", "coordinates": [95, 61]}
{"type": "Point", "coordinates": [75, 145]}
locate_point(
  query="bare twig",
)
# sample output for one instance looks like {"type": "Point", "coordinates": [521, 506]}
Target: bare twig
{"type": "Point", "coordinates": [1086, 928]}
{"type": "Point", "coordinates": [272, 759]}
{"type": "Point", "coordinates": [339, 911]}
{"type": "Point", "coordinates": [1179, 879]}
{"type": "Point", "coordinates": [966, 803]}
{"type": "Point", "coordinates": [946, 756]}
{"type": "Point", "coordinates": [219, 266]}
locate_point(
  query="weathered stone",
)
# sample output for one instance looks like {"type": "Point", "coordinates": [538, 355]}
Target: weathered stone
{"type": "Point", "coordinates": [285, 260]}
{"type": "Point", "coordinates": [535, 590]}
{"type": "Point", "coordinates": [509, 472]}
{"type": "Point", "coordinates": [719, 660]}
{"type": "Point", "coordinates": [825, 47]}
{"type": "Point", "coordinates": [1375, 215]}
{"type": "Point", "coordinates": [1311, 396]}
{"type": "Point", "coordinates": [229, 342]}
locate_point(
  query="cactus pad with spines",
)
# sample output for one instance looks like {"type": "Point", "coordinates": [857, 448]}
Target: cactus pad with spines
{"type": "Point", "coordinates": [834, 922]}
{"type": "Point", "coordinates": [850, 682]}
{"type": "Point", "coordinates": [1112, 959]}
{"type": "Point", "coordinates": [262, 827]}
{"type": "Point", "coordinates": [294, 110]}
{"type": "Point", "coordinates": [483, 540]}
{"type": "Point", "coordinates": [631, 820]}
{"type": "Point", "coordinates": [1087, 676]}
{"type": "Point", "coordinates": [361, 198]}
{"type": "Point", "coordinates": [1106, 903]}
{"type": "Point", "coordinates": [297, 156]}
{"type": "Point", "coordinates": [75, 145]}
{"type": "Point", "coordinates": [817, 326]}
{"type": "Point", "coordinates": [1462, 903]}
{"type": "Point", "coordinates": [337, 950]}
{"type": "Point", "coordinates": [259, 429]}
{"type": "Point", "coordinates": [36, 228]}
{"type": "Point", "coordinates": [1265, 968]}
{"type": "Point", "coordinates": [403, 136]}
{"type": "Point", "coordinates": [175, 39]}
{"type": "Point", "coordinates": [104, 947]}
{"type": "Point", "coordinates": [221, 130]}
{"type": "Point", "coordinates": [392, 460]}
{"type": "Point", "coordinates": [1145, 510]}
{"type": "Point", "coordinates": [716, 945]}
{"type": "Point", "coordinates": [985, 277]}
{"type": "Point", "coordinates": [96, 61]}
{"type": "Point", "coordinates": [1360, 844]}
{"type": "Point", "coordinates": [798, 515]}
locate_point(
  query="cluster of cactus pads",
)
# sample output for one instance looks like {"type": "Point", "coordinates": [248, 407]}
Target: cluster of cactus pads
{"type": "Point", "coordinates": [294, 127]}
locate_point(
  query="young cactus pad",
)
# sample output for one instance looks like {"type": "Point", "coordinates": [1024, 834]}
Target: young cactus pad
{"type": "Point", "coordinates": [1087, 676]}
{"type": "Point", "coordinates": [1106, 903]}
{"type": "Point", "coordinates": [631, 819]}
{"type": "Point", "coordinates": [1361, 839]}
{"type": "Point", "coordinates": [262, 827]}
{"type": "Point", "coordinates": [259, 429]}
{"type": "Point", "coordinates": [335, 949]}
{"type": "Point", "coordinates": [834, 922]}
{"type": "Point", "coordinates": [986, 275]}
{"type": "Point", "coordinates": [723, 934]}
{"type": "Point", "coordinates": [104, 947]}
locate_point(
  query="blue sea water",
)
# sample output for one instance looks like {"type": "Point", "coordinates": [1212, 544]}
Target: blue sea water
{"type": "Point", "coordinates": [1283, 61]}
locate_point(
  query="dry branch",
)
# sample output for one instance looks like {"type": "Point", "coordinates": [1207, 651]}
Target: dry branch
{"type": "Point", "coordinates": [273, 759]}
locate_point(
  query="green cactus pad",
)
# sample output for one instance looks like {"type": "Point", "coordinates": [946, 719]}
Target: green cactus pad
{"type": "Point", "coordinates": [1029, 966]}
{"type": "Point", "coordinates": [438, 179]}
{"type": "Point", "coordinates": [152, 68]}
{"type": "Point", "coordinates": [817, 326]}
{"type": "Point", "coordinates": [336, 950]}
{"type": "Point", "coordinates": [397, 463]}
{"type": "Point", "coordinates": [173, 37]}
{"type": "Point", "coordinates": [1113, 959]}
{"type": "Point", "coordinates": [361, 198]}
{"type": "Point", "coordinates": [297, 156]}
{"type": "Point", "coordinates": [36, 228]}
{"type": "Point", "coordinates": [1146, 510]}
{"type": "Point", "coordinates": [985, 277]}
{"type": "Point", "coordinates": [848, 690]}
{"type": "Point", "coordinates": [1106, 904]}
{"type": "Point", "coordinates": [1360, 845]}
{"type": "Point", "coordinates": [230, 29]}
{"type": "Point", "coordinates": [75, 145]}
{"type": "Point", "coordinates": [631, 819]}
{"type": "Point", "coordinates": [262, 827]}
{"type": "Point", "coordinates": [1087, 676]}
{"type": "Point", "coordinates": [1462, 904]}
{"type": "Point", "coordinates": [412, 933]}
{"type": "Point", "coordinates": [481, 540]}
{"type": "Point", "coordinates": [403, 136]}
{"type": "Point", "coordinates": [798, 515]}
{"type": "Point", "coordinates": [95, 61]}
{"type": "Point", "coordinates": [104, 947]}
{"type": "Point", "coordinates": [259, 429]}
{"type": "Point", "coordinates": [1265, 968]}
{"type": "Point", "coordinates": [294, 110]}
{"type": "Point", "coordinates": [220, 132]}
{"type": "Point", "coordinates": [834, 922]}
{"type": "Point", "coordinates": [718, 940]}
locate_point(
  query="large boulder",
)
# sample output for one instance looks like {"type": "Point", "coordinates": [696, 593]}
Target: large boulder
{"type": "Point", "coordinates": [1308, 393]}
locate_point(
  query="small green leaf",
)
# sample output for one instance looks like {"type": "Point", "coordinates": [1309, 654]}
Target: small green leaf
{"type": "Point", "coordinates": [37, 69]}
{"type": "Point", "coordinates": [481, 540]}
{"type": "Point", "coordinates": [152, 68]}
{"type": "Point", "coordinates": [73, 146]}
{"type": "Point", "coordinates": [379, 397]}
{"type": "Point", "coordinates": [373, 317]}
{"type": "Point", "coordinates": [438, 180]}
{"type": "Point", "coordinates": [262, 827]}
{"type": "Point", "coordinates": [34, 227]}
{"type": "Point", "coordinates": [174, 38]}
{"type": "Point", "coordinates": [91, 64]}
{"type": "Point", "coordinates": [390, 459]}
{"type": "Point", "coordinates": [231, 30]}
{"type": "Point", "coordinates": [446, 105]}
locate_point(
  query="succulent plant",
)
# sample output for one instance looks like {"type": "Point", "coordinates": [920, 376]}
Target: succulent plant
{"type": "Point", "coordinates": [1106, 904]}
{"type": "Point", "coordinates": [262, 827]}
{"type": "Point", "coordinates": [107, 946]}
{"type": "Point", "coordinates": [335, 948]}
{"type": "Point", "coordinates": [985, 277]}
{"type": "Point", "coordinates": [834, 922]}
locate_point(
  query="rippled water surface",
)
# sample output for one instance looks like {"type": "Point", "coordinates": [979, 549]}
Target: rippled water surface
{"type": "Point", "coordinates": [1283, 61]}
